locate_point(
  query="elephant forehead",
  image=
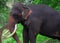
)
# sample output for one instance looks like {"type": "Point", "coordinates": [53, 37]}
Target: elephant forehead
{"type": "Point", "coordinates": [14, 11]}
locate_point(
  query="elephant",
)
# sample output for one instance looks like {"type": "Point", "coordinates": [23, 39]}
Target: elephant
{"type": "Point", "coordinates": [36, 19]}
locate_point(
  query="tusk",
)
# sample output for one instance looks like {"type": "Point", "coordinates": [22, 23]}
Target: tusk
{"type": "Point", "coordinates": [13, 32]}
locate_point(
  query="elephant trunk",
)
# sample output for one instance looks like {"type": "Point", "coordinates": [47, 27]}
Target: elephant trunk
{"type": "Point", "coordinates": [12, 26]}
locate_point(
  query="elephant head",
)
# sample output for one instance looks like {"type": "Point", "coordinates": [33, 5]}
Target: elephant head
{"type": "Point", "coordinates": [19, 13]}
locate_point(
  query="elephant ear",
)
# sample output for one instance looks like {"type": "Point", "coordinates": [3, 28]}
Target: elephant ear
{"type": "Point", "coordinates": [25, 6]}
{"type": "Point", "coordinates": [26, 12]}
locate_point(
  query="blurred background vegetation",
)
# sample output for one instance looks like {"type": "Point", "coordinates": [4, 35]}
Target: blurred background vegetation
{"type": "Point", "coordinates": [5, 7]}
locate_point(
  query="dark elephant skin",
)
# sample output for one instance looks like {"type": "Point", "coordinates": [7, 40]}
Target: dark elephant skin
{"type": "Point", "coordinates": [43, 20]}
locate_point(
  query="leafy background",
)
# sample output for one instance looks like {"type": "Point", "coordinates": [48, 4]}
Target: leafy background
{"type": "Point", "coordinates": [5, 7]}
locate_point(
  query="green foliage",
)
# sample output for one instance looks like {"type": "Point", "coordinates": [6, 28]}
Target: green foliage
{"type": "Point", "coordinates": [53, 3]}
{"type": "Point", "coordinates": [3, 11]}
{"type": "Point", "coordinates": [2, 2]}
{"type": "Point", "coordinates": [3, 5]}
